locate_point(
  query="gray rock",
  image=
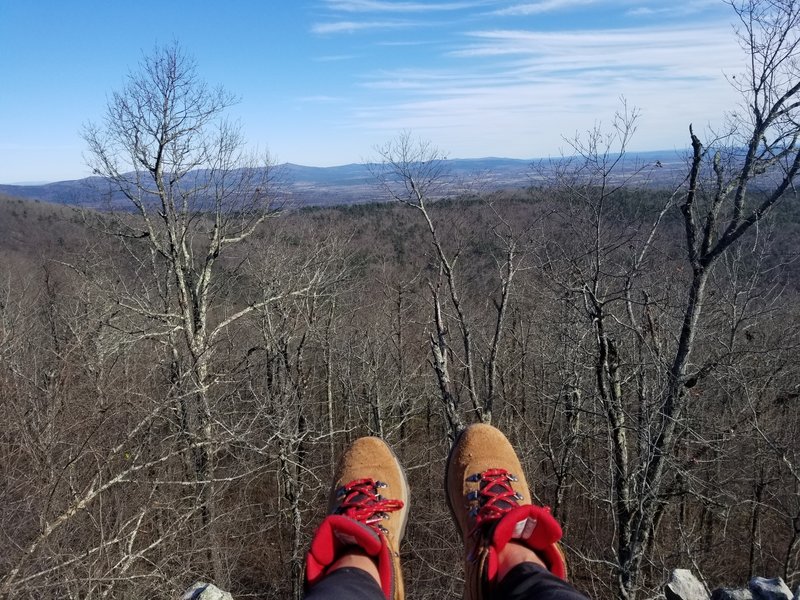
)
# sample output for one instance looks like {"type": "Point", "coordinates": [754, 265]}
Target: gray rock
{"type": "Point", "coordinates": [685, 586]}
{"type": "Point", "coordinates": [206, 591]}
{"type": "Point", "coordinates": [770, 589]}
{"type": "Point", "coordinates": [731, 594]}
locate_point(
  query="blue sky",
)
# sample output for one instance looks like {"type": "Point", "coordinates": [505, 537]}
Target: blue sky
{"type": "Point", "coordinates": [322, 82]}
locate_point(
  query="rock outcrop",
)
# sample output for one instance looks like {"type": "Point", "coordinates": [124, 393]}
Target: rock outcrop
{"type": "Point", "coordinates": [770, 589]}
{"type": "Point", "coordinates": [685, 586]}
{"type": "Point", "coordinates": [731, 594]}
{"type": "Point", "coordinates": [206, 591]}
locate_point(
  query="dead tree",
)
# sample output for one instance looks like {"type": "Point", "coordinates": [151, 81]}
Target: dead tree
{"type": "Point", "coordinates": [733, 182]}
{"type": "Point", "coordinates": [165, 148]}
{"type": "Point", "coordinates": [414, 173]}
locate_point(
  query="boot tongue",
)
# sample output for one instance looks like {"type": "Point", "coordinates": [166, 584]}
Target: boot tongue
{"type": "Point", "coordinates": [359, 506]}
{"type": "Point", "coordinates": [502, 499]}
{"type": "Point", "coordinates": [359, 498]}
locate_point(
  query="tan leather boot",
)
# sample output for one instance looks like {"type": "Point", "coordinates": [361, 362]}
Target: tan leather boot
{"type": "Point", "coordinates": [490, 502]}
{"type": "Point", "coordinates": [368, 508]}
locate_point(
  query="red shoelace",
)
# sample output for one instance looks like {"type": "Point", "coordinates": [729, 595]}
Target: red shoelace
{"type": "Point", "coordinates": [361, 501]}
{"type": "Point", "coordinates": [494, 498]}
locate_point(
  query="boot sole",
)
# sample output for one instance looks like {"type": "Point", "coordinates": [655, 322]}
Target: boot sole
{"type": "Point", "coordinates": [406, 494]}
{"type": "Point", "coordinates": [447, 482]}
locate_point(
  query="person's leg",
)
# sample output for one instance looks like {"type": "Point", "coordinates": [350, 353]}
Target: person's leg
{"type": "Point", "coordinates": [530, 580]}
{"type": "Point", "coordinates": [511, 545]}
{"type": "Point", "coordinates": [350, 583]}
{"type": "Point", "coordinates": [355, 550]}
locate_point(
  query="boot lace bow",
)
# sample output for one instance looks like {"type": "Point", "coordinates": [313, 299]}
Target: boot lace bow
{"type": "Point", "coordinates": [361, 501]}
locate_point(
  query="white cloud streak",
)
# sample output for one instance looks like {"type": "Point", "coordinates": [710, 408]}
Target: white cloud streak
{"type": "Point", "coordinates": [535, 8]}
{"type": "Point", "coordinates": [363, 6]}
{"type": "Point", "coordinates": [541, 85]}
{"type": "Point", "coordinates": [335, 58]}
{"type": "Point", "coordinates": [354, 26]}
{"type": "Point", "coordinates": [657, 46]}
{"type": "Point", "coordinates": [321, 99]}
{"type": "Point", "coordinates": [682, 9]}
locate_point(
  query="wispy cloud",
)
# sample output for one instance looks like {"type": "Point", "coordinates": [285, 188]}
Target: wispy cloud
{"type": "Point", "coordinates": [666, 45]}
{"type": "Point", "coordinates": [362, 6]}
{"type": "Point", "coordinates": [354, 26]}
{"type": "Point", "coordinates": [544, 6]}
{"type": "Point", "coordinates": [480, 82]}
{"type": "Point", "coordinates": [674, 10]}
{"type": "Point", "coordinates": [643, 11]}
{"type": "Point", "coordinates": [543, 84]}
{"type": "Point", "coordinates": [335, 57]}
{"type": "Point", "coordinates": [406, 43]}
{"type": "Point", "coordinates": [321, 99]}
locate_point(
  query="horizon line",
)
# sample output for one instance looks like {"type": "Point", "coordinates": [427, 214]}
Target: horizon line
{"type": "Point", "coordinates": [674, 151]}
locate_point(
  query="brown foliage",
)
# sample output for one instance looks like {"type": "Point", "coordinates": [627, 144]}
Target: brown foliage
{"type": "Point", "coordinates": [88, 408]}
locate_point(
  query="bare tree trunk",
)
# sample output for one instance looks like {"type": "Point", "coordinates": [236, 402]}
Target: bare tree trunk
{"type": "Point", "coordinates": [291, 486]}
{"type": "Point", "coordinates": [439, 351]}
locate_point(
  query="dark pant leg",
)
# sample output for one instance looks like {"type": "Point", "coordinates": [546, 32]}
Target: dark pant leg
{"type": "Point", "coordinates": [528, 581]}
{"type": "Point", "coordinates": [346, 584]}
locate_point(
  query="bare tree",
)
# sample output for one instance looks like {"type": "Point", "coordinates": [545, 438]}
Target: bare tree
{"type": "Point", "coordinates": [165, 147]}
{"type": "Point", "coordinates": [414, 173]}
{"type": "Point", "coordinates": [732, 184]}
{"type": "Point", "coordinates": [91, 434]}
{"type": "Point", "coordinates": [741, 192]}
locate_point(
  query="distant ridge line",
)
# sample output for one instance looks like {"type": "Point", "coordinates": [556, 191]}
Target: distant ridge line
{"type": "Point", "coordinates": [349, 183]}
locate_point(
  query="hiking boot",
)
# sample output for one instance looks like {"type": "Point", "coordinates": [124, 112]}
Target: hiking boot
{"type": "Point", "coordinates": [368, 509]}
{"type": "Point", "coordinates": [491, 504]}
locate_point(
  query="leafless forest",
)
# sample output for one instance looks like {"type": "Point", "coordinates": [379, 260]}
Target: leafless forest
{"type": "Point", "coordinates": [177, 380]}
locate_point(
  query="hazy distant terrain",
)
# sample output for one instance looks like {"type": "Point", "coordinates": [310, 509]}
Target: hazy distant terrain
{"type": "Point", "coordinates": [355, 183]}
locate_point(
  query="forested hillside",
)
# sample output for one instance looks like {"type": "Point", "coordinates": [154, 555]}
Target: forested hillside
{"type": "Point", "coordinates": [100, 493]}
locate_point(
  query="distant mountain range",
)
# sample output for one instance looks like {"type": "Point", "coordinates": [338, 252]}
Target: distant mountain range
{"type": "Point", "coordinates": [354, 183]}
